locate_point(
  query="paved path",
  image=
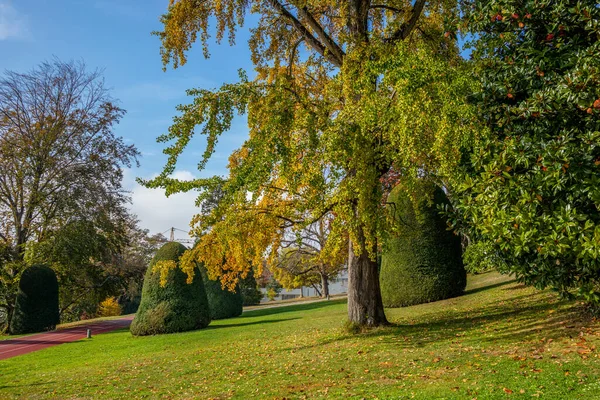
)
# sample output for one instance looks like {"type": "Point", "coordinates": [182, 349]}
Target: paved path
{"type": "Point", "coordinates": [27, 344]}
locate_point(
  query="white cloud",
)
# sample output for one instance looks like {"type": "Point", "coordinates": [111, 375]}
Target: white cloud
{"type": "Point", "coordinates": [12, 23]}
{"type": "Point", "coordinates": [157, 212]}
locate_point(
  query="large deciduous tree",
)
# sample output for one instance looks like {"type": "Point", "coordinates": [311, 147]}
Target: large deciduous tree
{"type": "Point", "coordinates": [532, 193]}
{"type": "Point", "coordinates": [59, 158]}
{"type": "Point", "coordinates": [343, 90]}
{"type": "Point", "coordinates": [58, 153]}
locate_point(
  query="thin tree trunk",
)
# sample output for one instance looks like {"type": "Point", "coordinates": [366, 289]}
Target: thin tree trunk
{"type": "Point", "coordinates": [325, 286]}
{"type": "Point", "coordinates": [365, 306]}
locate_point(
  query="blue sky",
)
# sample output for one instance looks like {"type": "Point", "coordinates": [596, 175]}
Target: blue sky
{"type": "Point", "coordinates": [114, 35]}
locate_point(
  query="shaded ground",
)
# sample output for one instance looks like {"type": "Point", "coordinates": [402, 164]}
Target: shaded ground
{"type": "Point", "coordinates": [500, 340]}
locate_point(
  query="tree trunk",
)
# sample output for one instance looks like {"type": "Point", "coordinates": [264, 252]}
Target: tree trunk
{"type": "Point", "coordinates": [325, 286]}
{"type": "Point", "coordinates": [316, 289]}
{"type": "Point", "coordinates": [365, 306]}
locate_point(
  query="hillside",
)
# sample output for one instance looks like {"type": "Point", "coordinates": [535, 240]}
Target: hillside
{"type": "Point", "coordinates": [499, 340]}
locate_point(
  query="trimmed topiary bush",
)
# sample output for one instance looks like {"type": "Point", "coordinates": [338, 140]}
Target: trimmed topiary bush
{"type": "Point", "coordinates": [223, 303]}
{"type": "Point", "coordinates": [423, 261]}
{"type": "Point", "coordinates": [36, 307]}
{"type": "Point", "coordinates": [174, 307]}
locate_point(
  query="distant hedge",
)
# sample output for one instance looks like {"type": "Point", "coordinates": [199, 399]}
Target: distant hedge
{"type": "Point", "coordinates": [422, 263]}
{"type": "Point", "coordinates": [176, 307]}
{"type": "Point", "coordinates": [223, 303]}
{"type": "Point", "coordinates": [36, 307]}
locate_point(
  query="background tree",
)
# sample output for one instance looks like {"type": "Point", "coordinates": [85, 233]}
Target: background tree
{"type": "Point", "coordinates": [97, 259]}
{"type": "Point", "coordinates": [59, 159]}
{"type": "Point", "coordinates": [531, 191]}
{"type": "Point", "coordinates": [336, 101]}
{"type": "Point", "coordinates": [251, 294]}
{"type": "Point", "coordinates": [303, 263]}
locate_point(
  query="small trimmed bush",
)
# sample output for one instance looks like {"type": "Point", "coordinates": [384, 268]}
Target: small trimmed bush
{"type": "Point", "coordinates": [175, 307]}
{"type": "Point", "coordinates": [36, 307]}
{"type": "Point", "coordinates": [423, 261]}
{"type": "Point", "coordinates": [223, 303]}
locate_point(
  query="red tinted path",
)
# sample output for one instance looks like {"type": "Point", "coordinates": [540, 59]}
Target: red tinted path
{"type": "Point", "coordinates": [27, 344]}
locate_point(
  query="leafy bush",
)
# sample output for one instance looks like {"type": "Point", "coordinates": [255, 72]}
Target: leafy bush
{"type": "Point", "coordinates": [109, 308]}
{"type": "Point", "coordinates": [223, 303]}
{"type": "Point", "coordinates": [36, 307]}
{"type": "Point", "coordinates": [532, 188]}
{"type": "Point", "coordinates": [421, 261]}
{"type": "Point", "coordinates": [176, 306]}
{"type": "Point", "coordinates": [480, 257]}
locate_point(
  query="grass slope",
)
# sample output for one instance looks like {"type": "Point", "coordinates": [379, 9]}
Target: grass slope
{"type": "Point", "coordinates": [500, 340]}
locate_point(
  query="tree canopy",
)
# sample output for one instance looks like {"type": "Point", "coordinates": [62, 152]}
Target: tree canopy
{"type": "Point", "coordinates": [342, 92]}
{"type": "Point", "coordinates": [60, 172]}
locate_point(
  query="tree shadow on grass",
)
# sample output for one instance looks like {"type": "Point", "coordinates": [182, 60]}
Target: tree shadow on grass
{"type": "Point", "coordinates": [488, 287]}
{"type": "Point", "coordinates": [259, 322]}
{"type": "Point", "coordinates": [292, 308]}
{"type": "Point", "coordinates": [27, 385]}
{"type": "Point", "coordinates": [516, 320]}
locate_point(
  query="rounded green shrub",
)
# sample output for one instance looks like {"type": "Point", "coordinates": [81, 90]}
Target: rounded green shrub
{"type": "Point", "coordinates": [175, 307]}
{"type": "Point", "coordinates": [223, 303]}
{"type": "Point", "coordinates": [36, 306]}
{"type": "Point", "coordinates": [422, 261]}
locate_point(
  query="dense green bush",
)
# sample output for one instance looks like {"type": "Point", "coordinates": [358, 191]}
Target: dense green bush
{"type": "Point", "coordinates": [480, 257]}
{"type": "Point", "coordinates": [251, 294]}
{"type": "Point", "coordinates": [176, 307]}
{"type": "Point", "coordinates": [36, 307]}
{"type": "Point", "coordinates": [421, 261]}
{"type": "Point", "coordinates": [532, 187]}
{"type": "Point", "coordinates": [223, 303]}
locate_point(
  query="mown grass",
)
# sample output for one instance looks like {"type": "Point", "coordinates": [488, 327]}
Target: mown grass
{"type": "Point", "coordinates": [500, 340]}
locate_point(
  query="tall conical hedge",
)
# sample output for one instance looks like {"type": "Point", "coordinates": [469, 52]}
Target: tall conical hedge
{"type": "Point", "coordinates": [176, 307]}
{"type": "Point", "coordinates": [422, 263]}
{"type": "Point", "coordinates": [223, 303]}
{"type": "Point", "coordinates": [36, 307]}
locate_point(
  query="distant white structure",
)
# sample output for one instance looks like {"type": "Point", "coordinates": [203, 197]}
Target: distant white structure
{"type": "Point", "coordinates": [337, 285]}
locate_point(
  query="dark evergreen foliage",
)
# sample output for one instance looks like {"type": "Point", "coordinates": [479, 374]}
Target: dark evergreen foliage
{"type": "Point", "coordinates": [36, 307]}
{"type": "Point", "coordinates": [222, 302]}
{"type": "Point", "coordinates": [421, 262]}
{"type": "Point", "coordinates": [176, 307]}
{"type": "Point", "coordinates": [251, 294]}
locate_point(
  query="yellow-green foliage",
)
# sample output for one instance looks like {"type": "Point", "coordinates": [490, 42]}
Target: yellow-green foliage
{"type": "Point", "coordinates": [109, 308]}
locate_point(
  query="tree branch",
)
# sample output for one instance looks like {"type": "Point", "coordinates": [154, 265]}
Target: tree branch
{"type": "Point", "coordinates": [331, 45]}
{"type": "Point", "coordinates": [407, 27]}
{"type": "Point", "coordinates": [310, 39]}
{"type": "Point", "coordinates": [389, 8]}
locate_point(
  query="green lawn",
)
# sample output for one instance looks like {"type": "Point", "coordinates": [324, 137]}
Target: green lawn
{"type": "Point", "coordinates": [500, 340]}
